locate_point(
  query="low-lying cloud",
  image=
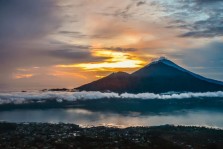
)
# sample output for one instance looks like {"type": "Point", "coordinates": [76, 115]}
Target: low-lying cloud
{"type": "Point", "coordinates": [37, 97]}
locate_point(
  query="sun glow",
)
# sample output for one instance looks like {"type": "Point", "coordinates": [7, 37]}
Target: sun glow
{"type": "Point", "coordinates": [104, 65]}
{"type": "Point", "coordinates": [99, 76]}
{"type": "Point", "coordinates": [114, 60]}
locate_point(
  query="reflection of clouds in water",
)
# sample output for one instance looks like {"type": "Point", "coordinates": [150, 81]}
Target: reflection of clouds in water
{"type": "Point", "coordinates": [79, 111]}
{"type": "Point", "coordinates": [191, 118]}
{"type": "Point", "coordinates": [87, 118]}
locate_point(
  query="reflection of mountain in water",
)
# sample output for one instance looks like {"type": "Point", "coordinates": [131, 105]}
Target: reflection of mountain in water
{"type": "Point", "coordinates": [159, 76]}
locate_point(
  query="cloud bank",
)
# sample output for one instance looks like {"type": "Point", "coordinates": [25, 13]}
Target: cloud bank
{"type": "Point", "coordinates": [37, 97]}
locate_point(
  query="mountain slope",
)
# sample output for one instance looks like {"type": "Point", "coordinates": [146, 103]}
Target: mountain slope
{"type": "Point", "coordinates": [159, 76]}
{"type": "Point", "coordinates": [170, 63]}
{"type": "Point", "coordinates": [116, 82]}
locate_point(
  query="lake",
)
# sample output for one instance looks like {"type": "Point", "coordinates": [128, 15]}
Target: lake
{"type": "Point", "coordinates": [85, 117]}
{"type": "Point", "coordinates": [112, 109]}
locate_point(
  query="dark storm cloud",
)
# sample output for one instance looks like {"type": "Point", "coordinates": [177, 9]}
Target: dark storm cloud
{"type": "Point", "coordinates": [208, 1]}
{"type": "Point", "coordinates": [140, 3]}
{"type": "Point", "coordinates": [73, 34]}
{"type": "Point", "coordinates": [126, 11]}
{"type": "Point", "coordinates": [120, 49]}
{"type": "Point", "coordinates": [211, 27]}
{"type": "Point", "coordinates": [199, 18]}
{"type": "Point", "coordinates": [71, 54]}
{"type": "Point", "coordinates": [76, 54]}
{"type": "Point", "coordinates": [210, 32]}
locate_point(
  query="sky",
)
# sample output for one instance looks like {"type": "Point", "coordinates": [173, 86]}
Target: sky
{"type": "Point", "coordinates": [55, 44]}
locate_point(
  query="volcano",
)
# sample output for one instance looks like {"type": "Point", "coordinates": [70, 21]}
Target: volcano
{"type": "Point", "coordinates": [160, 76]}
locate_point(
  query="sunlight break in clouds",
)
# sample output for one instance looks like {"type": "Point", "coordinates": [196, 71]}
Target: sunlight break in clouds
{"type": "Point", "coordinates": [115, 60]}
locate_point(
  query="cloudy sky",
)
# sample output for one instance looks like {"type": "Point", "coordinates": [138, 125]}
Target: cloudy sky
{"type": "Point", "coordinates": [54, 43]}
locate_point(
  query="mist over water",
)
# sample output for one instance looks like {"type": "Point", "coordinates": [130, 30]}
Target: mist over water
{"type": "Point", "coordinates": [29, 97]}
{"type": "Point", "coordinates": [122, 110]}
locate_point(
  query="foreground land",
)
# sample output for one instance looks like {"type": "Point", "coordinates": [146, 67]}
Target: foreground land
{"type": "Point", "coordinates": [44, 135]}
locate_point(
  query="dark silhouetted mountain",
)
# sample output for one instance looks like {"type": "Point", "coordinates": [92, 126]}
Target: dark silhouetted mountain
{"type": "Point", "coordinates": [117, 82]}
{"type": "Point", "coordinates": [160, 76]}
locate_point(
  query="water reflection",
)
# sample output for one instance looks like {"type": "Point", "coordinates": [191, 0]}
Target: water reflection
{"type": "Point", "coordinates": [95, 118]}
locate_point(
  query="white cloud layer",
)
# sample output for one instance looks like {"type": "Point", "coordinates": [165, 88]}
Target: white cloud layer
{"type": "Point", "coordinates": [35, 97]}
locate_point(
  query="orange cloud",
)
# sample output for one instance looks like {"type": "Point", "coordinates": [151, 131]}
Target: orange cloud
{"type": "Point", "coordinates": [118, 60]}
{"type": "Point", "coordinates": [22, 76]}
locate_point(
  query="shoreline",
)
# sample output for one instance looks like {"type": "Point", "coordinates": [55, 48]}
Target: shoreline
{"type": "Point", "coordinates": [113, 126]}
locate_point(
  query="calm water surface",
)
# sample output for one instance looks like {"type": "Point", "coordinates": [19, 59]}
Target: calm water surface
{"type": "Point", "coordinates": [88, 118]}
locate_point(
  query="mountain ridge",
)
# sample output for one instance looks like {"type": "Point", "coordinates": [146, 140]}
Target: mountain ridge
{"type": "Point", "coordinates": [161, 75]}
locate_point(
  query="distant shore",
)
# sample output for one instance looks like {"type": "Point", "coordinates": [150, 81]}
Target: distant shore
{"type": "Point", "coordinates": [46, 135]}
